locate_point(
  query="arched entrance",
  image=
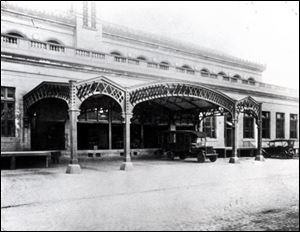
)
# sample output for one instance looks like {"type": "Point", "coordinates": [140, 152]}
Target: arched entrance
{"type": "Point", "coordinates": [47, 124]}
{"type": "Point", "coordinates": [175, 106]}
{"type": "Point", "coordinates": [100, 124]}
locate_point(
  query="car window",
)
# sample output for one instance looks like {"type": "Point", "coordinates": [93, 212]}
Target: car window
{"type": "Point", "coordinates": [201, 141]}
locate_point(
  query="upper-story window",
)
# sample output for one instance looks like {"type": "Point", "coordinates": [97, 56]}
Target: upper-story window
{"type": "Point", "coordinates": [235, 78]}
{"type": "Point", "coordinates": [280, 125]}
{"type": "Point", "coordinates": [56, 46]}
{"type": "Point", "coordinates": [248, 126]}
{"type": "Point", "coordinates": [293, 126]}
{"type": "Point", "coordinates": [85, 13]}
{"type": "Point", "coordinates": [164, 65]}
{"type": "Point", "coordinates": [251, 81]}
{"type": "Point", "coordinates": [142, 58]}
{"type": "Point", "coordinates": [266, 120]}
{"type": "Point", "coordinates": [93, 15]}
{"type": "Point", "coordinates": [204, 72]}
{"type": "Point", "coordinates": [118, 57]}
{"type": "Point", "coordinates": [11, 37]}
{"type": "Point", "coordinates": [7, 112]}
{"type": "Point", "coordinates": [224, 76]}
{"type": "Point", "coordinates": [186, 68]}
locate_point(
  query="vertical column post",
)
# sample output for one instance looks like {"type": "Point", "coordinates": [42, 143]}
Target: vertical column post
{"type": "Point", "coordinates": [73, 167]}
{"type": "Point", "coordinates": [234, 157]}
{"type": "Point", "coordinates": [127, 115]}
{"type": "Point", "coordinates": [259, 155]}
{"type": "Point", "coordinates": [110, 128]}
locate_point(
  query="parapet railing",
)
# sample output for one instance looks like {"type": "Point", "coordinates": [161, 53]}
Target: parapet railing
{"type": "Point", "coordinates": [23, 43]}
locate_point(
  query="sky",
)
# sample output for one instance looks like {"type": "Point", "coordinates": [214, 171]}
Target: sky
{"type": "Point", "coordinates": [263, 32]}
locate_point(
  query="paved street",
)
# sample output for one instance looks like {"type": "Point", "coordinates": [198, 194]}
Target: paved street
{"type": "Point", "coordinates": [156, 195]}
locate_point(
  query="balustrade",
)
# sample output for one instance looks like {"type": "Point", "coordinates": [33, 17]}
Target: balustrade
{"type": "Point", "coordinates": [69, 51]}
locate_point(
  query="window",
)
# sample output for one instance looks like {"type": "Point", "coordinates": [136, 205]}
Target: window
{"type": "Point", "coordinates": [209, 127]}
{"type": "Point", "coordinates": [141, 58]}
{"type": "Point", "coordinates": [234, 80]}
{"type": "Point", "coordinates": [164, 65]}
{"type": "Point", "coordinates": [293, 126]}
{"type": "Point", "coordinates": [188, 69]}
{"type": "Point", "coordinates": [204, 72]}
{"type": "Point", "coordinates": [279, 125]}
{"type": "Point", "coordinates": [224, 76]}
{"type": "Point", "coordinates": [237, 76]}
{"type": "Point", "coordinates": [93, 15]}
{"type": "Point", "coordinates": [118, 57]}
{"type": "Point", "coordinates": [266, 124]}
{"type": "Point", "coordinates": [85, 13]}
{"type": "Point", "coordinates": [248, 126]}
{"type": "Point", "coordinates": [11, 38]}
{"type": "Point", "coordinates": [55, 46]}
{"type": "Point", "coordinates": [251, 81]}
{"type": "Point", "coordinates": [7, 112]}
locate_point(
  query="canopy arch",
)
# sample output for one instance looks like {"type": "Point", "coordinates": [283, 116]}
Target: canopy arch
{"type": "Point", "coordinates": [45, 90]}
{"type": "Point", "coordinates": [178, 89]}
{"type": "Point", "coordinates": [100, 86]}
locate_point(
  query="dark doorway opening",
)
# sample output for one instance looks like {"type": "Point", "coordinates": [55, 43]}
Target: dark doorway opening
{"type": "Point", "coordinates": [92, 135]}
{"type": "Point", "coordinates": [48, 136]}
{"type": "Point", "coordinates": [48, 117]}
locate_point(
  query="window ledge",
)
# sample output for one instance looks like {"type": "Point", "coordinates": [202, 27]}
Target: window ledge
{"type": "Point", "coordinates": [249, 139]}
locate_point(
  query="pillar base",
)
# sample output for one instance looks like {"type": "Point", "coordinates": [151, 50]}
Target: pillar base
{"type": "Point", "coordinates": [73, 169]}
{"type": "Point", "coordinates": [126, 166]}
{"type": "Point", "coordinates": [234, 160]}
{"type": "Point", "coordinates": [259, 158]}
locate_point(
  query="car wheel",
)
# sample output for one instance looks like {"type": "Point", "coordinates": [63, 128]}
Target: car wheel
{"type": "Point", "coordinates": [182, 157]}
{"type": "Point", "coordinates": [171, 155]}
{"type": "Point", "coordinates": [213, 158]}
{"type": "Point", "coordinates": [291, 153]}
{"type": "Point", "coordinates": [201, 157]}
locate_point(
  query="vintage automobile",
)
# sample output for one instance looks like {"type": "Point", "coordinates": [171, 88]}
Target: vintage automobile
{"type": "Point", "coordinates": [185, 144]}
{"type": "Point", "coordinates": [280, 148]}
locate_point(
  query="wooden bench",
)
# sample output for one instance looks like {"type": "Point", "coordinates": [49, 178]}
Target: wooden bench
{"type": "Point", "coordinates": [14, 154]}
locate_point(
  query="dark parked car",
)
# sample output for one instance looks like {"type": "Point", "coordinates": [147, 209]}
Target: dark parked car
{"type": "Point", "coordinates": [281, 148]}
{"type": "Point", "coordinates": [185, 143]}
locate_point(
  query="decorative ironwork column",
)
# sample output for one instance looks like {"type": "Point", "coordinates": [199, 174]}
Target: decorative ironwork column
{"type": "Point", "coordinates": [235, 120]}
{"type": "Point", "coordinates": [127, 115]}
{"type": "Point", "coordinates": [110, 128]}
{"type": "Point", "coordinates": [259, 155]}
{"type": "Point", "coordinates": [73, 167]}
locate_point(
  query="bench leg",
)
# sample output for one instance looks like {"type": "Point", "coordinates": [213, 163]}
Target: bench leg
{"type": "Point", "coordinates": [13, 162]}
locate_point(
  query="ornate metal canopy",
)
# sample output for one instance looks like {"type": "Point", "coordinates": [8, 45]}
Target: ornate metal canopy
{"type": "Point", "coordinates": [217, 102]}
{"type": "Point", "coordinates": [100, 85]}
{"type": "Point", "coordinates": [250, 106]}
{"type": "Point", "coordinates": [169, 89]}
{"type": "Point", "coordinates": [47, 90]}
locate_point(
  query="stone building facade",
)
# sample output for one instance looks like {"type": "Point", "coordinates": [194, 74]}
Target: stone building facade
{"type": "Point", "coordinates": [75, 72]}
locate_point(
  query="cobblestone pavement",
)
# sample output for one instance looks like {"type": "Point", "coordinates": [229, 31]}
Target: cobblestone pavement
{"type": "Point", "coordinates": [156, 195]}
